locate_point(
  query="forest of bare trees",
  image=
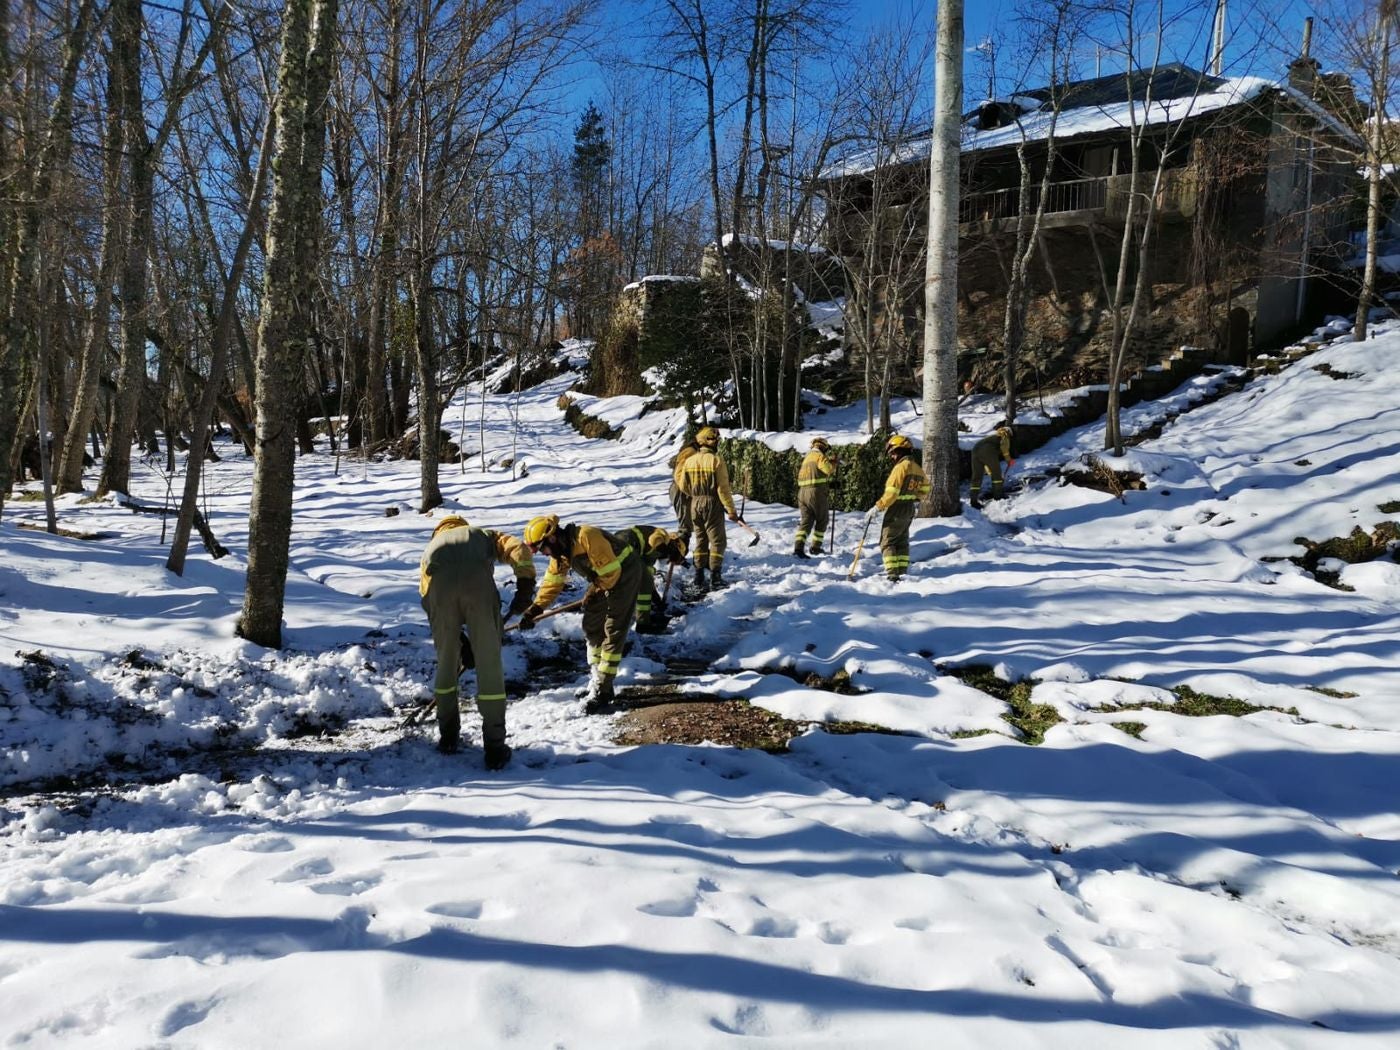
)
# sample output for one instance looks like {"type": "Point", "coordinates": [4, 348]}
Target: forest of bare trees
{"type": "Point", "coordinates": [306, 226]}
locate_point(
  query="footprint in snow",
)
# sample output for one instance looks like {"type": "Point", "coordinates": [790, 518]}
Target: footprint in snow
{"type": "Point", "coordinates": [183, 1015]}
{"type": "Point", "coordinates": [483, 910]}
{"type": "Point", "coordinates": [306, 870]}
{"type": "Point", "coordinates": [349, 886]}
{"type": "Point", "coordinates": [264, 843]}
{"type": "Point", "coordinates": [678, 908]}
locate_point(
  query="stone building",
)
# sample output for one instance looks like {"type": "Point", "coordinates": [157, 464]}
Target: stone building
{"type": "Point", "coordinates": [1258, 187]}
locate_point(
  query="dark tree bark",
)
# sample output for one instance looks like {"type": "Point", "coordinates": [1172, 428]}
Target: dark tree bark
{"type": "Point", "coordinates": [308, 38]}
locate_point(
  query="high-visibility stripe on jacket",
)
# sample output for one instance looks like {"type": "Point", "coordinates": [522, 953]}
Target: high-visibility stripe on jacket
{"type": "Point", "coordinates": [509, 551]}
{"type": "Point", "coordinates": [595, 555]}
{"type": "Point", "coordinates": [905, 483]}
{"type": "Point", "coordinates": [679, 465]}
{"type": "Point", "coordinates": [816, 469]}
{"type": "Point", "coordinates": [705, 474]}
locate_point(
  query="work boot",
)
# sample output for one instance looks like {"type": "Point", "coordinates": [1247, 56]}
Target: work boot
{"type": "Point", "coordinates": [600, 696]}
{"type": "Point", "coordinates": [716, 580]}
{"type": "Point", "coordinates": [497, 755]}
{"type": "Point", "coordinates": [448, 743]}
{"type": "Point", "coordinates": [699, 578]}
{"type": "Point", "coordinates": [817, 551]}
{"type": "Point", "coordinates": [797, 551]}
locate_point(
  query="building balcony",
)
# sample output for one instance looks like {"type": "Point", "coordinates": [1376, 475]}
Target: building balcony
{"type": "Point", "coordinates": [1077, 202]}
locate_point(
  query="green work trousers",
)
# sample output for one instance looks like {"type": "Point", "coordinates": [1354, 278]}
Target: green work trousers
{"type": "Point", "coordinates": [813, 509]}
{"type": "Point", "coordinates": [894, 537]}
{"type": "Point", "coordinates": [680, 502]}
{"type": "Point", "coordinates": [707, 514]}
{"type": "Point", "coordinates": [607, 618]}
{"type": "Point", "coordinates": [462, 593]}
{"type": "Point", "coordinates": [986, 460]}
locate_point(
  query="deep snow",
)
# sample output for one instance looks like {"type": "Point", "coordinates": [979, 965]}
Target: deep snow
{"type": "Point", "coordinates": [331, 880]}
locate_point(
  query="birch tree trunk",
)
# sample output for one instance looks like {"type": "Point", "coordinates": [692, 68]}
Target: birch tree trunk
{"type": "Point", "coordinates": [941, 274]}
{"type": "Point", "coordinates": [308, 36]}
{"type": "Point", "coordinates": [1375, 162]}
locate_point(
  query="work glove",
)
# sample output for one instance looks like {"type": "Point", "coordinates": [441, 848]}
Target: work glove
{"type": "Point", "coordinates": [523, 597]}
{"type": "Point", "coordinates": [528, 617]}
{"type": "Point", "coordinates": [734, 518]}
{"type": "Point", "coordinates": [871, 515]}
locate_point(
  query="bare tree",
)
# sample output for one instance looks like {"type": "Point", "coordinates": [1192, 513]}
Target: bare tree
{"type": "Point", "coordinates": [941, 283]}
{"type": "Point", "coordinates": [303, 78]}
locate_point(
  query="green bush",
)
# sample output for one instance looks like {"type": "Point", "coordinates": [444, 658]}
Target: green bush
{"type": "Point", "coordinates": [771, 477]}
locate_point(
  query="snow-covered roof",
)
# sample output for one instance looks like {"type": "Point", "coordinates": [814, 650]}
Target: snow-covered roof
{"type": "Point", "coordinates": [1098, 115]}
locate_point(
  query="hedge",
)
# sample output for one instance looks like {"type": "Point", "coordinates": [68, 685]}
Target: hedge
{"type": "Point", "coordinates": [769, 476]}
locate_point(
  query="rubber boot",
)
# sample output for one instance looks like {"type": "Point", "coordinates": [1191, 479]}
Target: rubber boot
{"type": "Point", "coordinates": [601, 695]}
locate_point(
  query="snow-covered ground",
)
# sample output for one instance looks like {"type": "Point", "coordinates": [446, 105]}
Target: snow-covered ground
{"type": "Point", "coordinates": [255, 853]}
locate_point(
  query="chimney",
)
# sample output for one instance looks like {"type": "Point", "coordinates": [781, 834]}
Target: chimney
{"type": "Point", "coordinates": [1302, 71]}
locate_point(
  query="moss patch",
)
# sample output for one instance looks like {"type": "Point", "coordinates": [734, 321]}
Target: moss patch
{"type": "Point", "coordinates": [1390, 507]}
{"type": "Point", "coordinates": [1336, 694]}
{"type": "Point", "coordinates": [1031, 720]}
{"type": "Point", "coordinates": [588, 426]}
{"type": "Point", "coordinates": [1133, 729]}
{"type": "Point", "coordinates": [1193, 704]}
{"type": "Point", "coordinates": [1355, 548]}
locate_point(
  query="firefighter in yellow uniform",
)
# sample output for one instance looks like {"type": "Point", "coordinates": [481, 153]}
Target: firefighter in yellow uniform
{"type": "Point", "coordinates": [655, 544]}
{"type": "Point", "coordinates": [705, 481]}
{"type": "Point", "coordinates": [813, 497]}
{"type": "Point", "coordinates": [987, 457]}
{"type": "Point", "coordinates": [905, 486]}
{"type": "Point", "coordinates": [457, 589]}
{"type": "Point", "coordinates": [679, 500]}
{"type": "Point", "coordinates": [614, 570]}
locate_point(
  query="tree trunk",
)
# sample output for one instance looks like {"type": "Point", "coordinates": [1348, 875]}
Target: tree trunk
{"type": "Point", "coordinates": [218, 363]}
{"type": "Point", "coordinates": [16, 331]}
{"type": "Point", "coordinates": [1375, 161]}
{"type": "Point", "coordinates": [127, 29]}
{"type": "Point", "coordinates": [941, 277]}
{"type": "Point", "coordinates": [296, 201]}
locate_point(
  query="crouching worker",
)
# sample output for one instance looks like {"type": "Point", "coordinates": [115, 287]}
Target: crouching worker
{"type": "Point", "coordinates": [987, 458]}
{"type": "Point", "coordinates": [458, 590]}
{"type": "Point", "coordinates": [904, 487]}
{"type": "Point", "coordinates": [613, 568]}
{"type": "Point", "coordinates": [657, 546]}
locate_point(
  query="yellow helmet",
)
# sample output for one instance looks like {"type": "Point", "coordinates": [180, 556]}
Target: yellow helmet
{"type": "Point", "coordinates": [452, 521]}
{"type": "Point", "coordinates": [661, 538]}
{"type": "Point", "coordinates": [541, 528]}
{"type": "Point", "coordinates": [821, 444]}
{"type": "Point", "coordinates": [899, 443]}
{"type": "Point", "coordinates": [707, 438]}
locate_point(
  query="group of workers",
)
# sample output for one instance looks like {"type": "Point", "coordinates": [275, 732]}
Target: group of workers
{"type": "Point", "coordinates": [458, 589]}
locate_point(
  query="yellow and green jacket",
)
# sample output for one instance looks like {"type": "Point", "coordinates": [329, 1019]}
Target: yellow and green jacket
{"type": "Point", "coordinates": [595, 555]}
{"type": "Point", "coordinates": [704, 474]}
{"type": "Point", "coordinates": [906, 483]}
{"type": "Point", "coordinates": [817, 469]}
{"type": "Point", "coordinates": [508, 551]}
{"type": "Point", "coordinates": [678, 465]}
